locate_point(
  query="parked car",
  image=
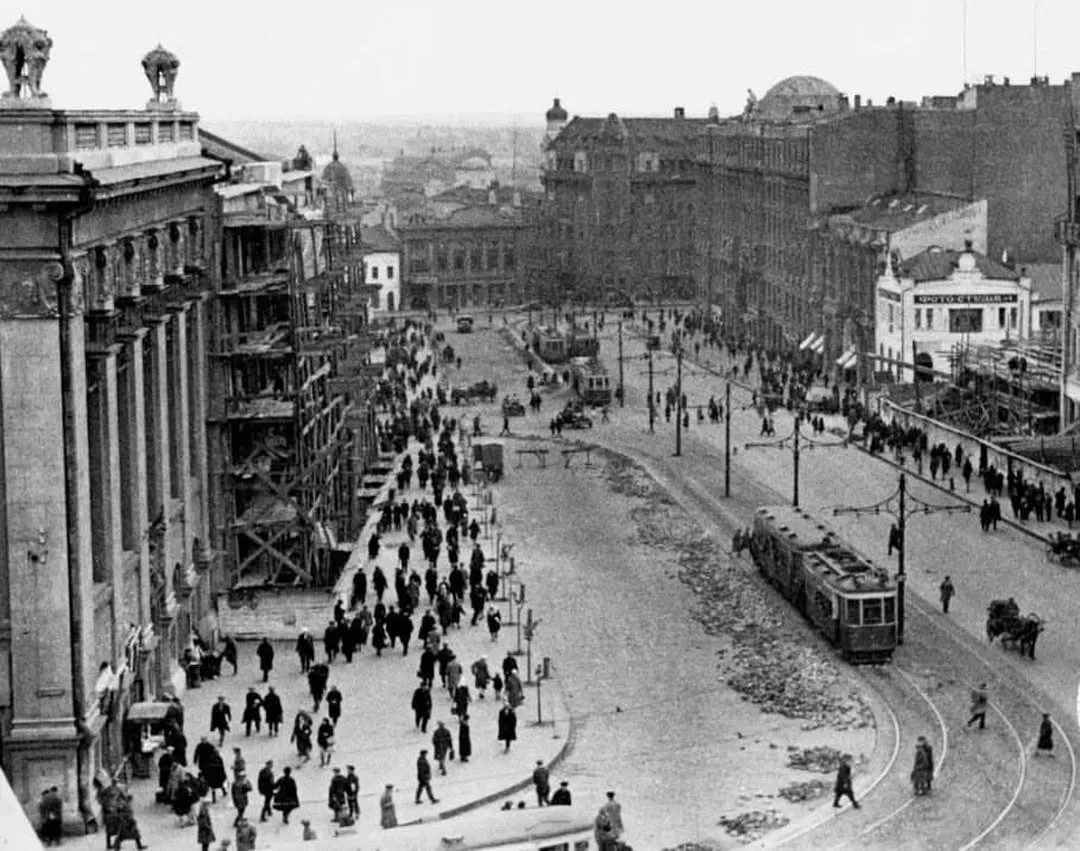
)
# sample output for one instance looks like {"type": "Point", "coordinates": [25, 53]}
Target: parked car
{"type": "Point", "coordinates": [573, 419]}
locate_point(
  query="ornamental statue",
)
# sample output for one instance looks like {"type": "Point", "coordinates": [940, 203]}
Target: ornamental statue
{"type": "Point", "coordinates": [24, 51]}
{"type": "Point", "coordinates": [750, 110]}
{"type": "Point", "coordinates": [161, 67]}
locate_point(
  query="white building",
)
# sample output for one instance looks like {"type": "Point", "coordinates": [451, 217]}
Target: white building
{"type": "Point", "coordinates": [382, 268]}
{"type": "Point", "coordinates": [938, 301]}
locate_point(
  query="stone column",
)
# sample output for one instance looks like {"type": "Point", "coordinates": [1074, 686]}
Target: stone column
{"type": "Point", "coordinates": [135, 482]}
{"type": "Point", "coordinates": [197, 415]}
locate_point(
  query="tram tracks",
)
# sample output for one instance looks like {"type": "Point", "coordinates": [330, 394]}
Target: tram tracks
{"type": "Point", "coordinates": [989, 791]}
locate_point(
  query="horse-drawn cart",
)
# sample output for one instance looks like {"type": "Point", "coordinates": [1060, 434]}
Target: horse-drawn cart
{"type": "Point", "coordinates": [1064, 549]}
{"type": "Point", "coordinates": [1003, 619]}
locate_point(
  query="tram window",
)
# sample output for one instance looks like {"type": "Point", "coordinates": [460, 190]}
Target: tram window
{"type": "Point", "coordinates": [871, 612]}
{"type": "Point", "coordinates": [852, 618]}
{"type": "Point", "coordinates": [565, 846]}
{"type": "Point", "coordinates": [581, 845]}
{"type": "Point", "coordinates": [890, 610]}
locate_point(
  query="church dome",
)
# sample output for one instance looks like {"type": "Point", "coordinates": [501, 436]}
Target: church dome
{"type": "Point", "coordinates": [336, 175]}
{"type": "Point", "coordinates": [798, 95]}
{"type": "Point", "coordinates": [556, 113]}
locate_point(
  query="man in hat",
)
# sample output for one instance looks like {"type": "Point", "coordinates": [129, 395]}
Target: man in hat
{"type": "Point", "coordinates": [978, 706]}
{"type": "Point", "coordinates": [613, 810]}
{"type": "Point", "coordinates": [562, 798]}
{"type": "Point", "coordinates": [843, 783]}
{"type": "Point", "coordinates": [338, 795]}
{"type": "Point", "coordinates": [352, 792]}
{"type": "Point", "coordinates": [265, 784]}
{"type": "Point", "coordinates": [423, 778]}
{"type": "Point", "coordinates": [542, 782]}
{"type": "Point", "coordinates": [220, 716]}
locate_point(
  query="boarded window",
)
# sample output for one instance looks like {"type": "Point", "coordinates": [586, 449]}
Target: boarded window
{"type": "Point", "coordinates": [117, 135]}
{"type": "Point", "coordinates": [86, 136]}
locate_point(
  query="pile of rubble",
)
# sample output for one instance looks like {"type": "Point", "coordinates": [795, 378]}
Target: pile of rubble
{"type": "Point", "coordinates": [810, 790]}
{"type": "Point", "coordinates": [751, 826]}
{"type": "Point", "coordinates": [823, 760]}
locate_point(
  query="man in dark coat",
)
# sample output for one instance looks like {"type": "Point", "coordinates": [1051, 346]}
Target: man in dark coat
{"type": "Point", "coordinates": [286, 795]}
{"type": "Point", "coordinates": [333, 704]}
{"type": "Point", "coordinates": [423, 778]}
{"type": "Point", "coordinates": [220, 716]}
{"type": "Point", "coordinates": [443, 743]}
{"type": "Point", "coordinates": [352, 791]}
{"type": "Point", "coordinates": [507, 725]}
{"type": "Point", "coordinates": [457, 583]}
{"type": "Point", "coordinates": [464, 745]}
{"type": "Point", "coordinates": [359, 587]}
{"type": "Point", "coordinates": [427, 667]}
{"type": "Point", "coordinates": [542, 781]}
{"type": "Point", "coordinates": [843, 783]}
{"type": "Point", "coordinates": [443, 657]}
{"type": "Point", "coordinates": [378, 580]}
{"type": "Point", "coordinates": [373, 546]}
{"type": "Point", "coordinates": [252, 711]}
{"type": "Point", "coordinates": [305, 650]}
{"type": "Point", "coordinates": [318, 676]}
{"type": "Point", "coordinates": [338, 794]}
{"type": "Point", "coordinates": [265, 652]}
{"type": "Point", "coordinates": [273, 711]}
{"type": "Point", "coordinates": [421, 706]}
{"type": "Point", "coordinates": [405, 631]}
{"type": "Point", "coordinates": [265, 784]}
{"type": "Point", "coordinates": [229, 653]}
{"type": "Point", "coordinates": [331, 641]}
{"type": "Point", "coordinates": [562, 797]}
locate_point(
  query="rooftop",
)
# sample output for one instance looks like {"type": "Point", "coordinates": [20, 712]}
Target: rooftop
{"type": "Point", "coordinates": [937, 264]}
{"type": "Point", "coordinates": [896, 212]}
{"type": "Point", "coordinates": [378, 239]}
{"type": "Point", "coordinates": [1046, 281]}
{"type": "Point", "coordinates": [640, 131]}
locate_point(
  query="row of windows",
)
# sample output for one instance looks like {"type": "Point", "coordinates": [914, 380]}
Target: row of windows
{"type": "Point", "coordinates": [373, 273]}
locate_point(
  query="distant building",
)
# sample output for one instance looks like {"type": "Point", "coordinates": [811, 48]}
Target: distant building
{"type": "Point", "coordinates": [382, 268]}
{"type": "Point", "coordinates": [337, 184]}
{"type": "Point", "coordinates": [938, 302]}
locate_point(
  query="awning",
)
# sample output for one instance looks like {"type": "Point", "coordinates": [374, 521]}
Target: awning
{"type": "Point", "coordinates": [808, 342]}
{"type": "Point", "coordinates": [819, 346]}
{"type": "Point", "coordinates": [847, 359]}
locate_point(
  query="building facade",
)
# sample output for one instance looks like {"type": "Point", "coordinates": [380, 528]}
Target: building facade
{"type": "Point", "coordinates": [937, 304]}
{"type": "Point", "coordinates": [382, 268]}
{"type": "Point", "coordinates": [105, 266]}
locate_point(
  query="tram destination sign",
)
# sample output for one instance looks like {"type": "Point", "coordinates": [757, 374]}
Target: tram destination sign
{"type": "Point", "coordinates": [973, 298]}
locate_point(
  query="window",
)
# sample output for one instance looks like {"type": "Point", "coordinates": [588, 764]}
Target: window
{"type": "Point", "coordinates": [1012, 318]}
{"type": "Point", "coordinates": [872, 614]}
{"type": "Point", "coordinates": [929, 319]}
{"type": "Point", "coordinates": [918, 317]}
{"type": "Point", "coordinates": [459, 258]}
{"type": "Point", "coordinates": [890, 610]}
{"type": "Point", "coordinates": [1001, 317]}
{"type": "Point", "coordinates": [852, 614]}
{"type": "Point", "coordinates": [374, 272]}
{"type": "Point", "coordinates": [965, 320]}
{"type": "Point", "coordinates": [389, 273]}
{"type": "Point", "coordinates": [508, 256]}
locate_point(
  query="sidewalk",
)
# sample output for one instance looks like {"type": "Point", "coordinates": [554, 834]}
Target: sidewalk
{"type": "Point", "coordinates": [376, 732]}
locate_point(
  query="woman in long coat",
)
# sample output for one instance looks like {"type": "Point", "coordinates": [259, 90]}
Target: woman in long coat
{"type": "Point", "coordinates": [462, 699]}
{"type": "Point", "coordinates": [286, 795]}
{"type": "Point", "coordinates": [1046, 736]}
{"type": "Point", "coordinates": [204, 826]}
{"type": "Point", "coordinates": [482, 675]}
{"type": "Point", "coordinates": [922, 775]}
{"type": "Point", "coordinates": [388, 816]}
{"type": "Point", "coordinates": [214, 774]}
{"type": "Point", "coordinates": [507, 725]}
{"type": "Point", "coordinates": [378, 637]}
{"type": "Point", "coordinates": [464, 738]}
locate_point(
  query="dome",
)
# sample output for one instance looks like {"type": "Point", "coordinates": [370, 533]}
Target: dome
{"type": "Point", "coordinates": [799, 95]}
{"type": "Point", "coordinates": [337, 176]}
{"type": "Point", "coordinates": [556, 113]}
{"type": "Point", "coordinates": [475, 164]}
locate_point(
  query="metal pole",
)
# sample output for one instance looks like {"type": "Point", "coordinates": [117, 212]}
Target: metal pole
{"type": "Point", "coordinates": [901, 576]}
{"type": "Point", "coordinates": [678, 402]}
{"type": "Point", "coordinates": [652, 404]}
{"type": "Point", "coordinates": [622, 389]}
{"type": "Point", "coordinates": [727, 440]}
{"type": "Point", "coordinates": [528, 647]}
{"type": "Point", "coordinates": [539, 684]}
{"type": "Point", "coordinates": [795, 495]}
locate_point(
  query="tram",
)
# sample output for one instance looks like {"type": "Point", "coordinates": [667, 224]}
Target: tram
{"type": "Point", "coordinates": [531, 829]}
{"type": "Point", "coordinates": [848, 598]}
{"type": "Point", "coordinates": [591, 381]}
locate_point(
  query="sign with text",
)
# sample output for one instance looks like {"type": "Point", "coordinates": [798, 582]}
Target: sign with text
{"type": "Point", "coordinates": [974, 298]}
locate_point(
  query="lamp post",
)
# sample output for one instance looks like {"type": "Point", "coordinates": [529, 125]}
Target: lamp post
{"type": "Point", "coordinates": [901, 512]}
{"type": "Point", "coordinates": [795, 440]}
{"type": "Point", "coordinates": [678, 402]}
{"type": "Point", "coordinates": [727, 437]}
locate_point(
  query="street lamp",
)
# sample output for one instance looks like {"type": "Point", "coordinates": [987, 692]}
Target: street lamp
{"type": "Point", "coordinates": [901, 512]}
{"type": "Point", "coordinates": [794, 440]}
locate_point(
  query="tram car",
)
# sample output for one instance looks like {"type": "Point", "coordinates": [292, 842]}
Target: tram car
{"type": "Point", "coordinates": [581, 344]}
{"type": "Point", "coordinates": [549, 345]}
{"type": "Point", "coordinates": [848, 598]}
{"type": "Point", "coordinates": [590, 381]}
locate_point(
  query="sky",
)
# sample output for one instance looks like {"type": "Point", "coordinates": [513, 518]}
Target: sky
{"type": "Point", "coordinates": [319, 59]}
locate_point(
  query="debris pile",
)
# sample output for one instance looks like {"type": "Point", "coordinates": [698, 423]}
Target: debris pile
{"type": "Point", "coordinates": [811, 790]}
{"type": "Point", "coordinates": [823, 760]}
{"type": "Point", "coordinates": [751, 826]}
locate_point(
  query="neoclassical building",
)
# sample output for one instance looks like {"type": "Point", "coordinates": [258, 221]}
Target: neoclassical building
{"type": "Point", "coordinates": [104, 281]}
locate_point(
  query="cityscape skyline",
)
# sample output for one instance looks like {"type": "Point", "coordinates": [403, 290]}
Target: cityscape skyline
{"type": "Point", "coordinates": [423, 61]}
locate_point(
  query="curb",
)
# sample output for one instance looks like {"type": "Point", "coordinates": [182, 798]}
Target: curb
{"type": "Point", "coordinates": [564, 751]}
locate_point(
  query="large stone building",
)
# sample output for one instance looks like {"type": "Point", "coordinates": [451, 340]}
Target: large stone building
{"type": "Point", "coordinates": [104, 526]}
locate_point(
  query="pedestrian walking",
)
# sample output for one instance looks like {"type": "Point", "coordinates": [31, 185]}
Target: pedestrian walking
{"type": "Point", "coordinates": [494, 622]}
{"type": "Point", "coordinates": [421, 706]}
{"type": "Point", "coordinates": [333, 704]}
{"type": "Point", "coordinates": [388, 815]}
{"type": "Point", "coordinates": [922, 775]}
{"type": "Point", "coordinates": [378, 637]}
{"type": "Point", "coordinates": [978, 706]}
{"type": "Point", "coordinates": [246, 835]}
{"type": "Point", "coordinates": [338, 796]}
{"type": "Point", "coordinates": [273, 711]}
{"type": "Point", "coordinates": [220, 716]}
{"type": "Point", "coordinates": [252, 711]}
{"type": "Point", "coordinates": [127, 826]}
{"type": "Point", "coordinates": [265, 652]}
{"type": "Point", "coordinates": [241, 791]}
{"type": "Point", "coordinates": [51, 812]}
{"type": "Point", "coordinates": [946, 590]}
{"type": "Point", "coordinates": [286, 795]}
{"type": "Point", "coordinates": [454, 672]}
{"type": "Point", "coordinates": [301, 734]}
{"type": "Point", "coordinates": [325, 739]}
{"type": "Point", "coordinates": [843, 783]}
{"type": "Point", "coordinates": [443, 744]}
{"type": "Point", "coordinates": [464, 750]}
{"type": "Point", "coordinates": [481, 676]}
{"type": "Point", "coordinates": [497, 685]}
{"type": "Point", "coordinates": [1045, 745]}
{"type": "Point", "coordinates": [229, 653]}
{"type": "Point", "coordinates": [265, 784]}
{"type": "Point", "coordinates": [423, 778]}
{"type": "Point", "coordinates": [612, 809]}
{"type": "Point", "coordinates": [352, 791]}
{"type": "Point", "coordinates": [318, 676]}
{"type": "Point", "coordinates": [542, 782]}
{"type": "Point", "coordinates": [239, 765]}
{"type": "Point", "coordinates": [305, 650]}
{"type": "Point", "coordinates": [507, 725]}
{"type": "Point", "coordinates": [204, 826]}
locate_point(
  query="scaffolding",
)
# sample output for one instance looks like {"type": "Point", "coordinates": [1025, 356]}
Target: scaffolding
{"type": "Point", "coordinates": [290, 425]}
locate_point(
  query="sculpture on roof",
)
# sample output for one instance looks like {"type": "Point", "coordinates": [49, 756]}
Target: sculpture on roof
{"type": "Point", "coordinates": [161, 67]}
{"type": "Point", "coordinates": [751, 106]}
{"type": "Point", "coordinates": [302, 161]}
{"type": "Point", "coordinates": [24, 51]}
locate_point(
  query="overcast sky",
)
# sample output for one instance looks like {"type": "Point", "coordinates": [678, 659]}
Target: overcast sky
{"type": "Point", "coordinates": [318, 59]}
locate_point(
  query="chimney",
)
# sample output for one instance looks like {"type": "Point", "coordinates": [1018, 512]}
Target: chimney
{"type": "Point", "coordinates": [680, 112]}
{"type": "Point", "coordinates": [869, 102]}
{"type": "Point", "coordinates": [845, 104]}
{"type": "Point", "coordinates": [858, 101]}
{"type": "Point", "coordinates": [493, 196]}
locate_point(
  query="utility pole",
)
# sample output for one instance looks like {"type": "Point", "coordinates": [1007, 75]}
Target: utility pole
{"type": "Point", "coordinates": [1067, 231]}
{"type": "Point", "coordinates": [678, 402]}
{"type": "Point", "coordinates": [901, 513]}
{"type": "Point", "coordinates": [622, 387]}
{"type": "Point", "coordinates": [795, 446]}
{"type": "Point", "coordinates": [796, 439]}
{"type": "Point", "coordinates": [915, 376]}
{"type": "Point", "coordinates": [652, 404]}
{"type": "Point", "coordinates": [727, 440]}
